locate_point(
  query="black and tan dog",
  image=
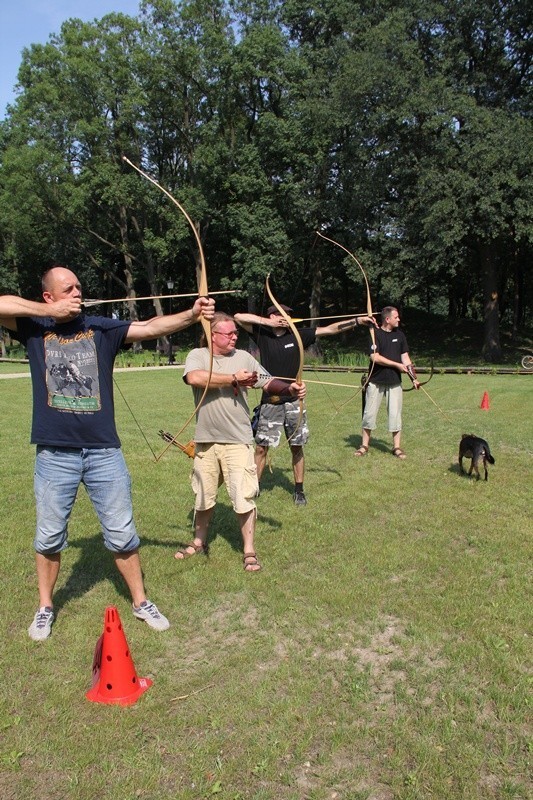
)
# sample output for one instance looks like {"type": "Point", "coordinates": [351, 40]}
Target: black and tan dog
{"type": "Point", "coordinates": [478, 450]}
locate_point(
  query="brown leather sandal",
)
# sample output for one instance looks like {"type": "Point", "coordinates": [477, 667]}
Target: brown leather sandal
{"type": "Point", "coordinates": [250, 560]}
{"type": "Point", "coordinates": [182, 554]}
{"type": "Point", "coordinates": [361, 451]}
{"type": "Point", "coordinates": [398, 452]}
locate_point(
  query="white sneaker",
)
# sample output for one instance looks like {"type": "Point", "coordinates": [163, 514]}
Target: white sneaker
{"type": "Point", "coordinates": [150, 614]}
{"type": "Point", "coordinates": [41, 627]}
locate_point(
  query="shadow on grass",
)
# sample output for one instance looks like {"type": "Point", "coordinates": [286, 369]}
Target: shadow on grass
{"type": "Point", "coordinates": [355, 441]}
{"type": "Point", "coordinates": [94, 565]}
{"type": "Point", "coordinates": [223, 523]}
{"type": "Point", "coordinates": [283, 479]}
{"type": "Point", "coordinates": [278, 478]}
{"type": "Point", "coordinates": [456, 470]}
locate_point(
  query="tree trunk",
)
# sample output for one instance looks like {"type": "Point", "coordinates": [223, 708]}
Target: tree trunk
{"type": "Point", "coordinates": [314, 305]}
{"type": "Point", "coordinates": [128, 272]}
{"type": "Point", "coordinates": [156, 287]}
{"type": "Point", "coordinates": [491, 350]}
{"type": "Point", "coordinates": [518, 293]}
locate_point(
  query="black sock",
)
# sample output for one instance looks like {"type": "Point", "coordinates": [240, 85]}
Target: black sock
{"type": "Point", "coordinates": [298, 487]}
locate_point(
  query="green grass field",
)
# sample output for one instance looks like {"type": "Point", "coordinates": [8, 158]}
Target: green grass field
{"type": "Point", "coordinates": [383, 653]}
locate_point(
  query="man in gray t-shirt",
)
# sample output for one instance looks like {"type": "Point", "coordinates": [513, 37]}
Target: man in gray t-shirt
{"type": "Point", "coordinates": [223, 438]}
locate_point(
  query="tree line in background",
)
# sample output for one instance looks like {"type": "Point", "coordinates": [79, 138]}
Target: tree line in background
{"type": "Point", "coordinates": [400, 128]}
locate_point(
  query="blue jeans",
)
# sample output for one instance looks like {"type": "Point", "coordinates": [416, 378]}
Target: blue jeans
{"type": "Point", "coordinates": [58, 474]}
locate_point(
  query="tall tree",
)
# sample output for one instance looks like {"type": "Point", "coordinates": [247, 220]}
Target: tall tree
{"type": "Point", "coordinates": [401, 129]}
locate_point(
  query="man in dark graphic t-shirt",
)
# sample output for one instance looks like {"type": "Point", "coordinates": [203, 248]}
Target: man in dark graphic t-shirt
{"type": "Point", "coordinates": [73, 426]}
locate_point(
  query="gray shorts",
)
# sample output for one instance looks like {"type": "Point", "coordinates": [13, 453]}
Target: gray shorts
{"type": "Point", "coordinates": [274, 418]}
{"type": "Point", "coordinates": [373, 396]}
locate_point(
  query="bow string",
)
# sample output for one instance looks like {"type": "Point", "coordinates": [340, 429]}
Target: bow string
{"type": "Point", "coordinates": [203, 291]}
{"type": "Point", "coordinates": [299, 342]}
{"type": "Point", "coordinates": [369, 310]}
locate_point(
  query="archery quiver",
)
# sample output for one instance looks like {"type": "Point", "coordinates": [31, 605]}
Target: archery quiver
{"type": "Point", "coordinates": [188, 448]}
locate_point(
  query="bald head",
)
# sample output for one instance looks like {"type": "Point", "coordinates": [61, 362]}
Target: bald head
{"type": "Point", "coordinates": [59, 283]}
{"type": "Point", "coordinates": [58, 275]}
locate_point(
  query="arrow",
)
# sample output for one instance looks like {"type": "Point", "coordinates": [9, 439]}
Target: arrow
{"type": "Point", "coordinates": [335, 316]}
{"type": "Point", "coordinates": [88, 303]}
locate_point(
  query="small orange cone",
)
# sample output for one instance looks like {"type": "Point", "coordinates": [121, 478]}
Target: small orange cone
{"type": "Point", "coordinates": [114, 676]}
{"type": "Point", "coordinates": [485, 405]}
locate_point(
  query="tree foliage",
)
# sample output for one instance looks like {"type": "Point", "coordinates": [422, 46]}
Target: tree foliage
{"type": "Point", "coordinates": [400, 129]}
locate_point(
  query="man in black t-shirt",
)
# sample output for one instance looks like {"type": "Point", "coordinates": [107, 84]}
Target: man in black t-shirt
{"type": "Point", "coordinates": [389, 359]}
{"type": "Point", "coordinates": [279, 355]}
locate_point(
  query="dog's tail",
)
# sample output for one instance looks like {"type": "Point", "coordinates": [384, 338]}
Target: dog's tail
{"type": "Point", "coordinates": [488, 455]}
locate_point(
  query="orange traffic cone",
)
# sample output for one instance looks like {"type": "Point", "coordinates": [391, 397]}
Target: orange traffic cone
{"type": "Point", "coordinates": [485, 402]}
{"type": "Point", "coordinates": [114, 676]}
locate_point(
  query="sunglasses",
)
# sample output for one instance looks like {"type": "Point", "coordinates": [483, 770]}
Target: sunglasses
{"type": "Point", "coordinates": [227, 335]}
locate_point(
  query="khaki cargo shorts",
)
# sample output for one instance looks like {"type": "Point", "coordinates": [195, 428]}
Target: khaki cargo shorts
{"type": "Point", "coordinates": [232, 464]}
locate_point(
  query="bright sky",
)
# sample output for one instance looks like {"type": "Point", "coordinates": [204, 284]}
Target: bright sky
{"type": "Point", "coordinates": [26, 22]}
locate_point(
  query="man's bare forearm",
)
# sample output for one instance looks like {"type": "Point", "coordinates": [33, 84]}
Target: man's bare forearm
{"type": "Point", "coordinates": [12, 306]}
